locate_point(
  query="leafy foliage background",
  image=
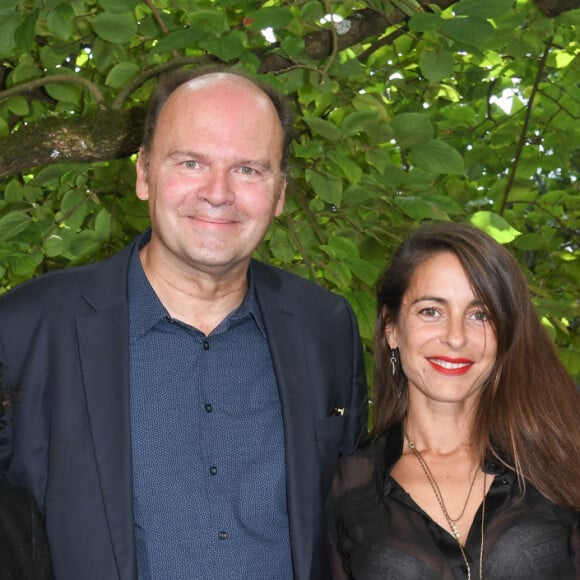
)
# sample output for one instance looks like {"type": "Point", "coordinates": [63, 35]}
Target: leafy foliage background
{"type": "Point", "coordinates": [407, 111]}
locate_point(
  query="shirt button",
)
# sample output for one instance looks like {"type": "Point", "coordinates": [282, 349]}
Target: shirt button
{"type": "Point", "coordinates": [208, 408]}
{"type": "Point", "coordinates": [223, 535]}
{"type": "Point", "coordinates": [206, 344]}
{"type": "Point", "coordinates": [213, 470]}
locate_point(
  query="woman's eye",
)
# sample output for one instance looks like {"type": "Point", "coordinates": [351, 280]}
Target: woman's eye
{"type": "Point", "coordinates": [481, 315]}
{"type": "Point", "coordinates": [430, 312]}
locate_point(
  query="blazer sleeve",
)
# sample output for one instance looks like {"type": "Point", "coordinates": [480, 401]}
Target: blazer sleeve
{"type": "Point", "coordinates": [357, 427]}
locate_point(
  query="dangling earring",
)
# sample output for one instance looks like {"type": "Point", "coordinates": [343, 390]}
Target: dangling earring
{"type": "Point", "coordinates": [394, 361]}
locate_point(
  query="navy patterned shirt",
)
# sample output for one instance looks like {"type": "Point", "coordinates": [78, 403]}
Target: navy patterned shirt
{"type": "Point", "coordinates": [209, 480]}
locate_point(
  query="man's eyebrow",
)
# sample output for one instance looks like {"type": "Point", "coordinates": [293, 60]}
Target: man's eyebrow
{"type": "Point", "coordinates": [178, 154]}
{"type": "Point", "coordinates": [182, 153]}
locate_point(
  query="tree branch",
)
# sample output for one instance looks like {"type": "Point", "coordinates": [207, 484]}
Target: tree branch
{"type": "Point", "coordinates": [524, 131]}
{"type": "Point", "coordinates": [113, 132]}
{"type": "Point", "coordinates": [28, 87]}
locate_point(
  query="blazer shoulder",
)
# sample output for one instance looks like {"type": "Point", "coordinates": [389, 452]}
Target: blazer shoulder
{"type": "Point", "coordinates": [286, 282]}
{"type": "Point", "coordinates": [62, 287]}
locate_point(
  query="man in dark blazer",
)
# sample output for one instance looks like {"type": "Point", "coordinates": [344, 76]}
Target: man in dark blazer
{"type": "Point", "coordinates": [131, 442]}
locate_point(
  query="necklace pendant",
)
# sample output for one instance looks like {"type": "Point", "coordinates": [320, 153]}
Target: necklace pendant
{"type": "Point", "coordinates": [455, 532]}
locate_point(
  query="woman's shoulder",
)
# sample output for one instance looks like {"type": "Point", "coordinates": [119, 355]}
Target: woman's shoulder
{"type": "Point", "coordinates": [368, 464]}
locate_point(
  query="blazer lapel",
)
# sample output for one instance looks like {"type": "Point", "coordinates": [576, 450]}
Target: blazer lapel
{"type": "Point", "coordinates": [103, 346]}
{"type": "Point", "coordinates": [284, 329]}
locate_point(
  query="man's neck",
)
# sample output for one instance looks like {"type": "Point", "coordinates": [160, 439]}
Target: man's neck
{"type": "Point", "coordinates": [196, 298]}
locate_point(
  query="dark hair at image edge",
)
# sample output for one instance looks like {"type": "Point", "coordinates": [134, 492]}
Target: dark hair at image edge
{"type": "Point", "coordinates": [169, 82]}
{"type": "Point", "coordinates": [529, 412]}
{"type": "Point", "coordinates": [6, 399]}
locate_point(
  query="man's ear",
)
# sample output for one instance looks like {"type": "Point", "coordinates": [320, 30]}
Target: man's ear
{"type": "Point", "coordinates": [142, 182]}
{"type": "Point", "coordinates": [281, 198]}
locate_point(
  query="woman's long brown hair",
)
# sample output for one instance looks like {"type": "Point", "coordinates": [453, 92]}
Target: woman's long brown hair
{"type": "Point", "coordinates": [529, 411]}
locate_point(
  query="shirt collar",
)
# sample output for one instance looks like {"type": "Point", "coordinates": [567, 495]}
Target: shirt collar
{"type": "Point", "coordinates": [146, 310]}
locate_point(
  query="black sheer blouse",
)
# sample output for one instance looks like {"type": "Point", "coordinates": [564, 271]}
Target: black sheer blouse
{"type": "Point", "coordinates": [377, 531]}
{"type": "Point", "coordinates": [23, 546]}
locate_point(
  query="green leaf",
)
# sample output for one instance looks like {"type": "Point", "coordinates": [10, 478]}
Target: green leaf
{"type": "Point", "coordinates": [59, 21]}
{"type": "Point", "coordinates": [115, 28]}
{"type": "Point", "coordinates": [424, 22]}
{"type": "Point", "coordinates": [495, 225]}
{"type": "Point", "coordinates": [482, 9]}
{"type": "Point", "coordinates": [103, 223]}
{"type": "Point", "coordinates": [178, 39]}
{"type": "Point", "coordinates": [117, 6]}
{"type": "Point", "coordinates": [52, 55]}
{"type": "Point", "coordinates": [13, 191]}
{"type": "Point", "coordinates": [363, 270]}
{"type": "Point", "coordinates": [63, 92]}
{"type": "Point", "coordinates": [19, 106]}
{"type": "Point", "coordinates": [312, 11]}
{"type": "Point", "coordinates": [275, 17]}
{"type": "Point", "coordinates": [24, 34]}
{"type": "Point", "coordinates": [533, 241]}
{"type": "Point", "coordinates": [358, 122]}
{"type": "Point", "coordinates": [293, 46]}
{"type": "Point", "coordinates": [338, 273]}
{"type": "Point", "coordinates": [82, 244]}
{"type": "Point", "coordinates": [323, 128]}
{"type": "Point", "coordinates": [25, 264]}
{"type": "Point", "coordinates": [437, 157]}
{"type": "Point", "coordinates": [342, 248]}
{"type": "Point", "coordinates": [73, 209]}
{"type": "Point", "coordinates": [54, 246]}
{"type": "Point", "coordinates": [8, 26]}
{"type": "Point", "coordinates": [418, 209]}
{"type": "Point", "coordinates": [346, 165]}
{"type": "Point", "coordinates": [24, 72]}
{"type": "Point", "coordinates": [444, 203]}
{"type": "Point", "coordinates": [468, 30]}
{"type": "Point", "coordinates": [209, 21]}
{"type": "Point", "coordinates": [412, 129]}
{"type": "Point", "coordinates": [365, 309]}
{"type": "Point", "coordinates": [571, 359]}
{"type": "Point", "coordinates": [308, 150]}
{"type": "Point", "coordinates": [327, 187]}
{"type": "Point", "coordinates": [280, 246]}
{"type": "Point", "coordinates": [226, 48]}
{"type": "Point", "coordinates": [436, 65]}
{"type": "Point", "coordinates": [12, 224]}
{"type": "Point", "coordinates": [121, 74]}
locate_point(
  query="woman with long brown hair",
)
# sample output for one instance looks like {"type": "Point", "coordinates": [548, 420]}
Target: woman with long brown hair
{"type": "Point", "coordinates": [473, 467]}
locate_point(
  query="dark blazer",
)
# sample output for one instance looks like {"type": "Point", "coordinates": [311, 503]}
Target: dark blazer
{"type": "Point", "coordinates": [23, 546]}
{"type": "Point", "coordinates": [64, 342]}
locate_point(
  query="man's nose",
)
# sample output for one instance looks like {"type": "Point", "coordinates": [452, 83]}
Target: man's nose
{"type": "Point", "coordinates": [217, 188]}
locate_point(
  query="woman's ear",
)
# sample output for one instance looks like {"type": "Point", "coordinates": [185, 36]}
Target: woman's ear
{"type": "Point", "coordinates": [391, 335]}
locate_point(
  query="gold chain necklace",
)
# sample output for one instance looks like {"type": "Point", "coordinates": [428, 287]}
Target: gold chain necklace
{"type": "Point", "coordinates": [455, 520]}
{"type": "Point", "coordinates": [450, 522]}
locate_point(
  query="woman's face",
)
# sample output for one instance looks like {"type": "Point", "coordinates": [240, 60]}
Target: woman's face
{"type": "Point", "coordinates": [446, 342]}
